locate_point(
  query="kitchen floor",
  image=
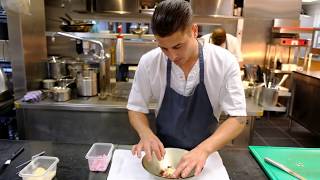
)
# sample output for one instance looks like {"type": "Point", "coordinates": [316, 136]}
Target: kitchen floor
{"type": "Point", "coordinates": [274, 132]}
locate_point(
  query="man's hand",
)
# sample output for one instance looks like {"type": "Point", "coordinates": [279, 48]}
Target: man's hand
{"type": "Point", "coordinates": [149, 143]}
{"type": "Point", "coordinates": [195, 159]}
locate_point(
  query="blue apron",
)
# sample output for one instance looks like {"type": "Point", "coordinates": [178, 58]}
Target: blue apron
{"type": "Point", "coordinates": [185, 121]}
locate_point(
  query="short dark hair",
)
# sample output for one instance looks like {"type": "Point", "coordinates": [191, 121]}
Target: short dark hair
{"type": "Point", "coordinates": [171, 16]}
{"type": "Point", "coordinates": [218, 36]}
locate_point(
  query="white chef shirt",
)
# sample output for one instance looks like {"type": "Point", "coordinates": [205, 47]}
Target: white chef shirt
{"type": "Point", "coordinates": [233, 45]}
{"type": "Point", "coordinates": [222, 81]}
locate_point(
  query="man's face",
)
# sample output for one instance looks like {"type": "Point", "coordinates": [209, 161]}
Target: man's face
{"type": "Point", "coordinates": [180, 46]}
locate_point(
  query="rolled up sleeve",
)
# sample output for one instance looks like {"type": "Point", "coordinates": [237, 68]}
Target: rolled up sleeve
{"type": "Point", "coordinates": [232, 97]}
{"type": "Point", "coordinates": [141, 91]}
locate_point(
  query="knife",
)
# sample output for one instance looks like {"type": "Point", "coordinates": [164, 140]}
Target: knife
{"type": "Point", "coordinates": [284, 168]}
{"type": "Point", "coordinates": [11, 158]}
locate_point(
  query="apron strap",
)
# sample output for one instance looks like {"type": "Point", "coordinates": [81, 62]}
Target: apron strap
{"type": "Point", "coordinates": [168, 73]}
{"type": "Point", "coordinates": [201, 62]}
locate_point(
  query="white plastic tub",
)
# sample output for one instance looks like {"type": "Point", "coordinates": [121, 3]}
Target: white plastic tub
{"type": "Point", "coordinates": [40, 168]}
{"type": "Point", "coordinates": [99, 156]}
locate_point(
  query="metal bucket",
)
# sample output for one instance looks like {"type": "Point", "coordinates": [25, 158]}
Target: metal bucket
{"type": "Point", "coordinates": [268, 97]}
{"type": "Point", "coordinates": [87, 83]}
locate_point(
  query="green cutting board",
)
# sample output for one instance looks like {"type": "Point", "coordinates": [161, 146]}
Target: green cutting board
{"type": "Point", "coordinates": [304, 161]}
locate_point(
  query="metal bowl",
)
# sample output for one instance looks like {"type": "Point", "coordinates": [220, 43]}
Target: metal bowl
{"type": "Point", "coordinates": [171, 158]}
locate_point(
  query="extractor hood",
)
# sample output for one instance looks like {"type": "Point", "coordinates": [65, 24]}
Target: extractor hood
{"type": "Point", "coordinates": [199, 7]}
{"type": "Point", "coordinates": [212, 7]}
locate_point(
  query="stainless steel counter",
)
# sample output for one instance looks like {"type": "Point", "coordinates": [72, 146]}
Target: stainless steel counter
{"type": "Point", "coordinates": [108, 105]}
{"type": "Point", "coordinates": [88, 120]}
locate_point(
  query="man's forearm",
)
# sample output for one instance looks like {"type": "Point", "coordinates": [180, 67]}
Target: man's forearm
{"type": "Point", "coordinates": [139, 122]}
{"type": "Point", "coordinates": [227, 131]}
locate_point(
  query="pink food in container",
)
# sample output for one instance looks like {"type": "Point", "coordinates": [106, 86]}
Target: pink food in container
{"type": "Point", "coordinates": [99, 156]}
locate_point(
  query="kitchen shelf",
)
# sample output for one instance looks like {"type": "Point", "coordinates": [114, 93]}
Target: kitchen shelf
{"type": "Point", "coordinates": [277, 71]}
{"type": "Point", "coordinates": [278, 108]}
{"type": "Point", "coordinates": [294, 30]}
{"type": "Point", "coordinates": [145, 16]}
{"type": "Point", "coordinates": [284, 94]}
{"type": "Point", "coordinates": [105, 35]}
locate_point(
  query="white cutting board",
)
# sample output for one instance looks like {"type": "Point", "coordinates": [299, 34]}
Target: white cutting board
{"type": "Point", "coordinates": [126, 166]}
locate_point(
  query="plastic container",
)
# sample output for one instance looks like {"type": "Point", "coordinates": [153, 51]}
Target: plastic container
{"type": "Point", "coordinates": [99, 156]}
{"type": "Point", "coordinates": [40, 168]}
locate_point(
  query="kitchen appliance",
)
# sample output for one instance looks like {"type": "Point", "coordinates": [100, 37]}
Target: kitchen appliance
{"type": "Point", "coordinates": [57, 67]}
{"type": "Point", "coordinates": [74, 67]}
{"type": "Point", "coordinates": [116, 6]}
{"type": "Point", "coordinates": [61, 94]}
{"type": "Point", "coordinates": [65, 82]}
{"type": "Point", "coordinates": [87, 82]}
{"type": "Point", "coordinates": [212, 7]}
{"type": "Point", "coordinates": [48, 83]}
{"type": "Point", "coordinates": [268, 97]}
{"type": "Point", "coordinates": [70, 25]}
{"type": "Point", "coordinates": [290, 42]}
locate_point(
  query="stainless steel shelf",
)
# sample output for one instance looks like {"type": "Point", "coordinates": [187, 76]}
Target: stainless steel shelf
{"type": "Point", "coordinates": [105, 35]}
{"type": "Point", "coordinates": [294, 30]}
{"type": "Point", "coordinates": [146, 17]}
{"type": "Point", "coordinates": [278, 108]}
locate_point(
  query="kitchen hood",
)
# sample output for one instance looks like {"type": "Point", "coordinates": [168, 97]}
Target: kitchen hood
{"type": "Point", "coordinates": [212, 7]}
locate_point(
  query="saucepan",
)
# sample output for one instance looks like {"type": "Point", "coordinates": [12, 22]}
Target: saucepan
{"type": "Point", "coordinates": [61, 94]}
{"type": "Point", "coordinates": [163, 169]}
{"type": "Point", "coordinates": [70, 25]}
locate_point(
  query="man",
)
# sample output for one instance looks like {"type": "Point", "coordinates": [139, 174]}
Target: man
{"type": "Point", "coordinates": [192, 83]}
{"type": "Point", "coordinates": [219, 37]}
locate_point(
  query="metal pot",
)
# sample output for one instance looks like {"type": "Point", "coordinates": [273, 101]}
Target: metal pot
{"type": "Point", "coordinates": [268, 97]}
{"type": "Point", "coordinates": [74, 67]}
{"type": "Point", "coordinates": [57, 68]}
{"type": "Point", "coordinates": [48, 83]}
{"type": "Point", "coordinates": [61, 94]}
{"type": "Point", "coordinates": [87, 83]}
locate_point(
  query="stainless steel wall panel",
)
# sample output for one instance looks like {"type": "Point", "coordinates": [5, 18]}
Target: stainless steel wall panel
{"type": "Point", "coordinates": [27, 48]}
{"type": "Point", "coordinates": [134, 50]}
{"type": "Point", "coordinates": [272, 9]}
{"type": "Point", "coordinates": [117, 6]}
{"type": "Point", "coordinates": [212, 7]}
{"type": "Point", "coordinates": [258, 21]}
{"type": "Point", "coordinates": [256, 35]}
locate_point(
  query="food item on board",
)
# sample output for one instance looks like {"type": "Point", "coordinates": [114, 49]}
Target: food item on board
{"type": "Point", "coordinates": [167, 172]}
{"type": "Point", "coordinates": [99, 163]}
